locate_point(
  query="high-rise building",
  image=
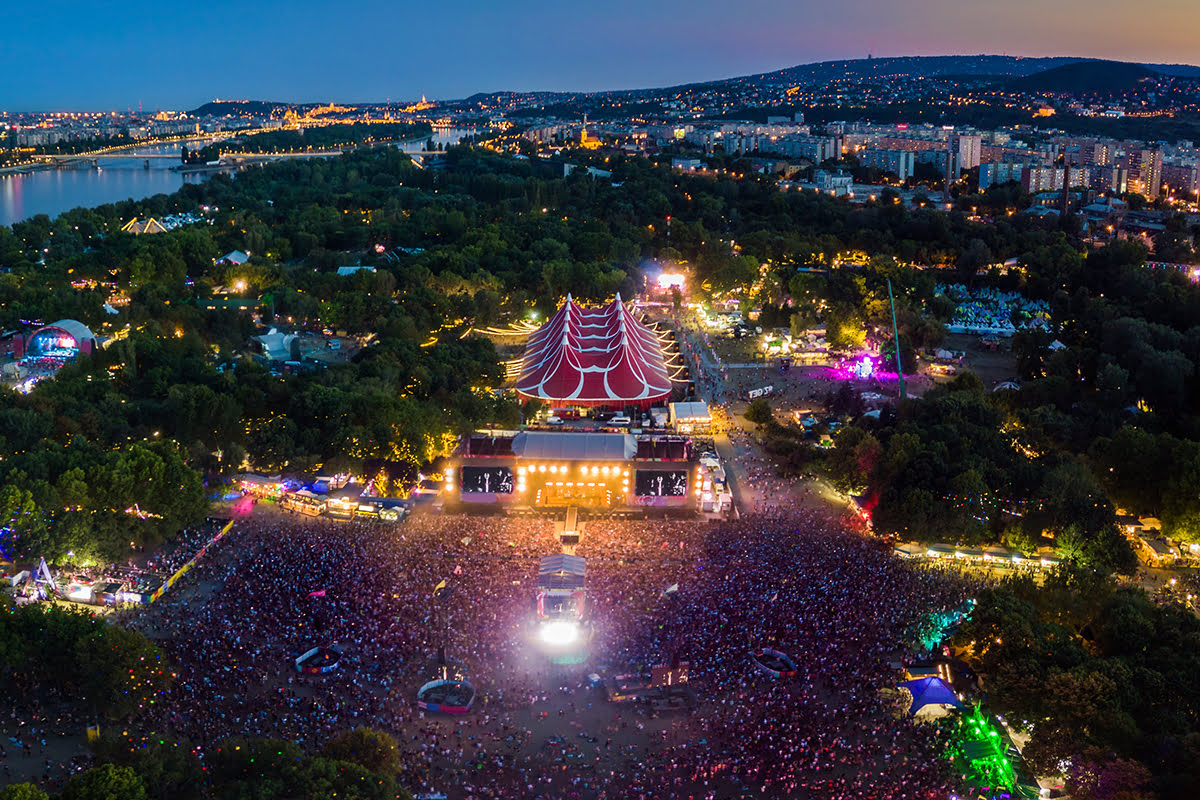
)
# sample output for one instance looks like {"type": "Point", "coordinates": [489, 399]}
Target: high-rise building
{"type": "Point", "coordinates": [1183, 179]}
{"type": "Point", "coordinates": [997, 172]}
{"type": "Point", "coordinates": [1050, 179]}
{"type": "Point", "coordinates": [969, 148]}
{"type": "Point", "coordinates": [1110, 179]}
{"type": "Point", "coordinates": [814, 148]}
{"type": "Point", "coordinates": [900, 162]}
{"type": "Point", "coordinates": [939, 158]}
{"type": "Point", "coordinates": [1150, 172]}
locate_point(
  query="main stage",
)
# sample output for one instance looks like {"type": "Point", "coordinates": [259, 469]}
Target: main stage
{"type": "Point", "coordinates": [554, 470]}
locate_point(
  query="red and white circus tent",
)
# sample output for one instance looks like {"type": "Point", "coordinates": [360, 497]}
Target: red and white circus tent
{"type": "Point", "coordinates": [594, 357]}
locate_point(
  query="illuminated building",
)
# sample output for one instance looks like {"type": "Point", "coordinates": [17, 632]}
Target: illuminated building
{"type": "Point", "coordinates": [969, 148]}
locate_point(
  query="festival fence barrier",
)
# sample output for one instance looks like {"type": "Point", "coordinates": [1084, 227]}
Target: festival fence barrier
{"type": "Point", "coordinates": [179, 573]}
{"type": "Point", "coordinates": [445, 708]}
{"type": "Point", "coordinates": [332, 657]}
{"type": "Point", "coordinates": [775, 663]}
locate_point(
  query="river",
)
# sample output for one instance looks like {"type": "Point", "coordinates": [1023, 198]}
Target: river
{"type": "Point", "coordinates": [53, 191]}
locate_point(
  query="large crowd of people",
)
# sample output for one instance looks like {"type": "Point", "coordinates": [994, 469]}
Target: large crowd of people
{"type": "Point", "coordinates": [788, 575]}
{"type": "Point", "coordinates": [794, 581]}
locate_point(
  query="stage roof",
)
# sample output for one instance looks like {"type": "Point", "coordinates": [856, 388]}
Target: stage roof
{"type": "Point", "coordinates": [594, 357]}
{"type": "Point", "coordinates": [562, 572]}
{"type": "Point", "coordinates": [574, 446]}
{"type": "Point", "coordinates": [694, 410]}
{"type": "Point", "coordinates": [930, 691]}
{"type": "Point", "coordinates": [561, 562]}
{"type": "Point", "coordinates": [76, 329]}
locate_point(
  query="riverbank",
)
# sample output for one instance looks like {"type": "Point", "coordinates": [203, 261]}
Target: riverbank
{"type": "Point", "coordinates": [144, 171]}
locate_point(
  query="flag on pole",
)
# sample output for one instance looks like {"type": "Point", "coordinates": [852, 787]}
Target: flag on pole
{"type": "Point", "coordinates": [440, 586]}
{"type": "Point", "coordinates": [674, 587]}
{"type": "Point", "coordinates": [318, 593]}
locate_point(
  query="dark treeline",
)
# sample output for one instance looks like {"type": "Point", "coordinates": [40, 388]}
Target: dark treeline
{"type": "Point", "coordinates": [325, 137]}
{"type": "Point", "coordinates": [10, 152]}
{"type": "Point", "coordinates": [1110, 420]}
{"type": "Point", "coordinates": [1100, 676]}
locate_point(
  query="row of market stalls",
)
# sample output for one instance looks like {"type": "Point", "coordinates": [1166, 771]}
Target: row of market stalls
{"type": "Point", "coordinates": [386, 492]}
{"type": "Point", "coordinates": [1145, 535]}
{"type": "Point", "coordinates": [983, 556]}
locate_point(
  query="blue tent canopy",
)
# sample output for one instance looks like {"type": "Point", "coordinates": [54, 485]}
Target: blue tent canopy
{"type": "Point", "coordinates": [930, 691]}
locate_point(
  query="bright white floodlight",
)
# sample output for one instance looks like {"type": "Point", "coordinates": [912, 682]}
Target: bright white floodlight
{"type": "Point", "coordinates": [559, 633]}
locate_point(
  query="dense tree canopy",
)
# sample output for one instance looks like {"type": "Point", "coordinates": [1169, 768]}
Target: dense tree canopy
{"type": "Point", "coordinates": [112, 670]}
{"type": "Point", "coordinates": [1097, 673]}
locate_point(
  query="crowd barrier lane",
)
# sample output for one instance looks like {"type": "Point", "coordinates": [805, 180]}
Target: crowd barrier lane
{"type": "Point", "coordinates": [179, 573]}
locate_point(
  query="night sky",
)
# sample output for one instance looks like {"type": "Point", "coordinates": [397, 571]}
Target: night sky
{"type": "Point", "coordinates": [100, 55]}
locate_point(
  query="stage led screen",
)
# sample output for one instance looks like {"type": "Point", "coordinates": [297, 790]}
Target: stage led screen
{"type": "Point", "coordinates": [487, 480]}
{"type": "Point", "coordinates": [660, 482]}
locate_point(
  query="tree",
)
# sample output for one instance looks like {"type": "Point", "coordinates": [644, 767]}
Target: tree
{"type": "Point", "coordinates": [22, 791]}
{"type": "Point", "coordinates": [844, 331]}
{"type": "Point", "coordinates": [799, 323]}
{"type": "Point", "coordinates": [855, 454]}
{"type": "Point", "coordinates": [531, 408]}
{"type": "Point", "coordinates": [1097, 775]}
{"type": "Point", "coordinates": [125, 673]}
{"type": "Point", "coordinates": [966, 381]}
{"type": "Point", "coordinates": [106, 782]}
{"type": "Point", "coordinates": [257, 769]}
{"type": "Point", "coordinates": [1078, 511]}
{"type": "Point", "coordinates": [908, 356]}
{"type": "Point", "coordinates": [24, 523]}
{"type": "Point", "coordinates": [975, 257]}
{"type": "Point", "coordinates": [370, 748]}
{"type": "Point", "coordinates": [117, 670]}
{"type": "Point", "coordinates": [266, 769]}
{"type": "Point", "coordinates": [759, 412]}
{"type": "Point", "coordinates": [323, 777]}
{"type": "Point", "coordinates": [1019, 538]}
{"type": "Point", "coordinates": [1030, 346]}
{"type": "Point", "coordinates": [1113, 383]}
{"type": "Point", "coordinates": [169, 771]}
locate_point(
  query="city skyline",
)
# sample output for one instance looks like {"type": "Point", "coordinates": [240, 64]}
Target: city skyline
{"type": "Point", "coordinates": [298, 52]}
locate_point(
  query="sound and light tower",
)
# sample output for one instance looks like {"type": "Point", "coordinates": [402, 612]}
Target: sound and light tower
{"type": "Point", "coordinates": [896, 341]}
